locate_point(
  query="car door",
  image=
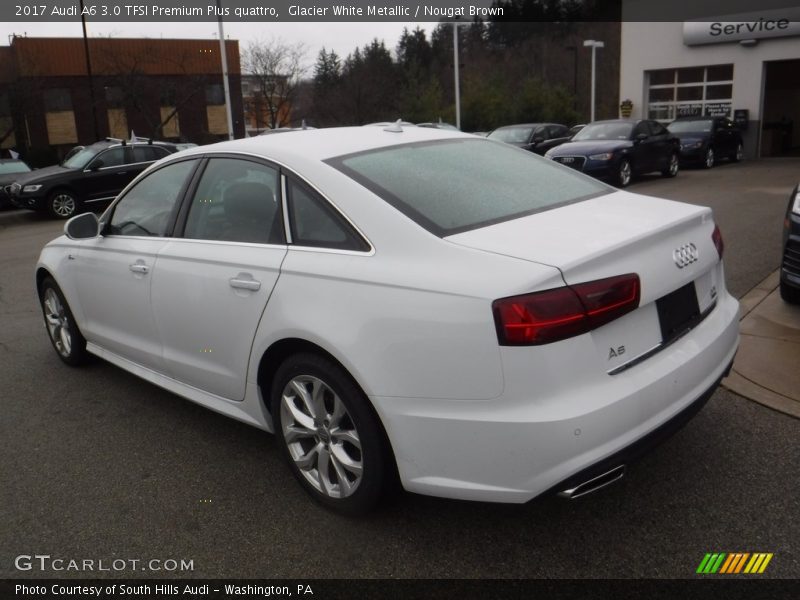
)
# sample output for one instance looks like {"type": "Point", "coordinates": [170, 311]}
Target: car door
{"type": "Point", "coordinates": [105, 175]}
{"type": "Point", "coordinates": [212, 282]}
{"type": "Point", "coordinates": [662, 144]}
{"type": "Point", "coordinates": [643, 149]}
{"type": "Point", "coordinates": [114, 271]}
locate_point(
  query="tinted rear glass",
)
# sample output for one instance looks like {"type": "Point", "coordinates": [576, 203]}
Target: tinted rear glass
{"type": "Point", "coordinates": [452, 186]}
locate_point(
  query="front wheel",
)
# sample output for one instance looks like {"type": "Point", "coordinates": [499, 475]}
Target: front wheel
{"type": "Point", "coordinates": [64, 334]}
{"type": "Point", "coordinates": [329, 434]}
{"type": "Point", "coordinates": [672, 166]}
{"type": "Point", "coordinates": [708, 162]}
{"type": "Point", "coordinates": [624, 173]}
{"type": "Point", "coordinates": [62, 204]}
{"type": "Point", "coordinates": [738, 154]}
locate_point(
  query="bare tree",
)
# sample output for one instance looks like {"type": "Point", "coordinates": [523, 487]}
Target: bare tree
{"type": "Point", "coordinates": [277, 68]}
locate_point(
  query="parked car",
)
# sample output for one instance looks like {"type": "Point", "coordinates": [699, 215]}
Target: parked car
{"type": "Point", "coordinates": [10, 169]}
{"type": "Point", "coordinates": [705, 140]}
{"type": "Point", "coordinates": [576, 128]}
{"type": "Point", "coordinates": [620, 149]}
{"type": "Point", "coordinates": [352, 290]}
{"type": "Point", "coordinates": [536, 137]}
{"type": "Point", "coordinates": [790, 265]}
{"type": "Point", "coordinates": [87, 178]}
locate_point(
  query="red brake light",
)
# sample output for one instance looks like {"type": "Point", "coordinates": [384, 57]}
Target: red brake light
{"type": "Point", "coordinates": [560, 313]}
{"type": "Point", "coordinates": [716, 237]}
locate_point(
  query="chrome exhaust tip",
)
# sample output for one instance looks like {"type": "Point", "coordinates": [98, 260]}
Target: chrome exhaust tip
{"type": "Point", "coordinates": [594, 484]}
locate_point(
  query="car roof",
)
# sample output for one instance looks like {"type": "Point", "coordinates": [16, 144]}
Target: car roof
{"type": "Point", "coordinates": [322, 144]}
{"type": "Point", "coordinates": [112, 142]}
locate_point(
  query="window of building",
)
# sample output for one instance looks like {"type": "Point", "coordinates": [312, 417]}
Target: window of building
{"type": "Point", "coordinates": [215, 95]}
{"type": "Point", "coordinates": [57, 100]}
{"type": "Point", "coordinates": [114, 97]}
{"type": "Point", "coordinates": [690, 92]}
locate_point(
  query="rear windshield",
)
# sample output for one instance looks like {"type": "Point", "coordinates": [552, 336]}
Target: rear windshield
{"type": "Point", "coordinates": [451, 186]}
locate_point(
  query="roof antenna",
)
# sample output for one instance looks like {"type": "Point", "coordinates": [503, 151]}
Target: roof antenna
{"type": "Point", "coordinates": [395, 127]}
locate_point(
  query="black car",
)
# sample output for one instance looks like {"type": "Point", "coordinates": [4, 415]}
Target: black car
{"type": "Point", "coordinates": [10, 170]}
{"type": "Point", "coordinates": [88, 177]}
{"type": "Point", "coordinates": [536, 137]}
{"type": "Point", "coordinates": [790, 266]}
{"type": "Point", "coordinates": [705, 140]}
{"type": "Point", "coordinates": [619, 149]}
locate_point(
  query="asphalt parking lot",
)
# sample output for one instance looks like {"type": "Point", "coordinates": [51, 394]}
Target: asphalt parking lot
{"type": "Point", "coordinates": [99, 464]}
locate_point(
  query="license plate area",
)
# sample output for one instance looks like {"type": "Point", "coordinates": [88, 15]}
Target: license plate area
{"type": "Point", "coordinates": [678, 312]}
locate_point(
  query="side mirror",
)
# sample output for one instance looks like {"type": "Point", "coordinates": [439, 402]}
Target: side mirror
{"type": "Point", "coordinates": [538, 139]}
{"type": "Point", "coordinates": [82, 227]}
{"type": "Point", "coordinates": [96, 164]}
{"type": "Point", "coordinates": [640, 137]}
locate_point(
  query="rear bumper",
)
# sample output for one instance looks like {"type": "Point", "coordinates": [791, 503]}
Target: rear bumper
{"type": "Point", "coordinates": [542, 434]}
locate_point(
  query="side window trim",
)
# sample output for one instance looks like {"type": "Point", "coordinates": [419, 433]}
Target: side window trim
{"type": "Point", "coordinates": [287, 227]}
{"type": "Point", "coordinates": [170, 230]}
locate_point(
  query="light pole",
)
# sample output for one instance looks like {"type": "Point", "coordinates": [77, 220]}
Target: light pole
{"type": "Point", "coordinates": [456, 75]}
{"type": "Point", "coordinates": [594, 45]}
{"type": "Point", "coordinates": [225, 84]}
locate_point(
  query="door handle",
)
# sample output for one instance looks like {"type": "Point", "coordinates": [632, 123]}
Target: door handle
{"type": "Point", "coordinates": [243, 282]}
{"type": "Point", "coordinates": [139, 267]}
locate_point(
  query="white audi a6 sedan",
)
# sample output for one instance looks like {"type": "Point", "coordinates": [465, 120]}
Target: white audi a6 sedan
{"type": "Point", "coordinates": [409, 303]}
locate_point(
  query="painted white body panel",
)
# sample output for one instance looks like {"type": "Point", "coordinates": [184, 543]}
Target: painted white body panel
{"type": "Point", "coordinates": [411, 320]}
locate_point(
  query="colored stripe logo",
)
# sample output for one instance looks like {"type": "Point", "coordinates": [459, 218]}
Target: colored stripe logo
{"type": "Point", "coordinates": [734, 563]}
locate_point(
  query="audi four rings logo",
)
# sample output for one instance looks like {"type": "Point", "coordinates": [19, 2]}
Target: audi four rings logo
{"type": "Point", "coordinates": [685, 255]}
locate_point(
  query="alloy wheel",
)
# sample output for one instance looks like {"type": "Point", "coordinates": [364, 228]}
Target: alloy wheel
{"type": "Point", "coordinates": [673, 165]}
{"type": "Point", "coordinates": [624, 173]}
{"type": "Point", "coordinates": [58, 324]}
{"type": "Point", "coordinates": [63, 205]}
{"type": "Point", "coordinates": [709, 158]}
{"type": "Point", "coordinates": [321, 436]}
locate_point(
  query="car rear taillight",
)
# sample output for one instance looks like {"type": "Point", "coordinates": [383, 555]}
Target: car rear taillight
{"type": "Point", "coordinates": [716, 237]}
{"type": "Point", "coordinates": [560, 313]}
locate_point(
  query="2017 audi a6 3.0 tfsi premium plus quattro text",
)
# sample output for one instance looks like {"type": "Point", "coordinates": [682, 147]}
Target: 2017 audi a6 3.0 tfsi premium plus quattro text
{"type": "Point", "coordinates": [405, 304]}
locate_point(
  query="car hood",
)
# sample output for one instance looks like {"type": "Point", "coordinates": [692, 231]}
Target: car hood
{"type": "Point", "coordinates": [589, 147]}
{"type": "Point", "coordinates": [41, 175]}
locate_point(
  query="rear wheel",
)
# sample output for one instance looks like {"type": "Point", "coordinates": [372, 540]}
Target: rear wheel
{"type": "Point", "coordinates": [62, 204]}
{"type": "Point", "coordinates": [624, 173]}
{"type": "Point", "coordinates": [790, 294]}
{"type": "Point", "coordinates": [672, 166]}
{"type": "Point", "coordinates": [65, 336]}
{"type": "Point", "coordinates": [709, 159]}
{"type": "Point", "coordinates": [329, 434]}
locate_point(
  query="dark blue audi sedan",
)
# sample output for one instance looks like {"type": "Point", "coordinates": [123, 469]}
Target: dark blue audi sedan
{"type": "Point", "coordinates": [618, 150]}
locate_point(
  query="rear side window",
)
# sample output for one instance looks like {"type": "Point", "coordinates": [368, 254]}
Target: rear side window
{"type": "Point", "coordinates": [315, 223]}
{"type": "Point", "coordinates": [236, 201]}
{"type": "Point", "coordinates": [148, 153]}
{"type": "Point", "coordinates": [451, 186]}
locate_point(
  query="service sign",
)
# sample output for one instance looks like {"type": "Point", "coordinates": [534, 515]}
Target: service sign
{"type": "Point", "coordinates": [736, 28]}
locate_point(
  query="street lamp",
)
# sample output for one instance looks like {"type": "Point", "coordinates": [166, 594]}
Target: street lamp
{"type": "Point", "coordinates": [456, 84]}
{"type": "Point", "coordinates": [594, 45]}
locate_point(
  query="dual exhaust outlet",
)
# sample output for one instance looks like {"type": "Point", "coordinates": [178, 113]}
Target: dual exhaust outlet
{"type": "Point", "coordinates": [594, 484]}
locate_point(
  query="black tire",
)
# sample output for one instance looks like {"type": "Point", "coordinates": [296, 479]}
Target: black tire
{"type": "Point", "coordinates": [738, 153]}
{"type": "Point", "coordinates": [790, 294]}
{"type": "Point", "coordinates": [327, 435]}
{"type": "Point", "coordinates": [624, 173]}
{"type": "Point", "coordinates": [62, 204]}
{"type": "Point", "coordinates": [673, 166]}
{"type": "Point", "coordinates": [67, 340]}
{"type": "Point", "coordinates": [709, 159]}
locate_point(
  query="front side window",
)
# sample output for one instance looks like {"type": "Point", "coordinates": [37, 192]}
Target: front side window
{"type": "Point", "coordinates": [112, 158]}
{"type": "Point", "coordinates": [236, 201]}
{"type": "Point", "coordinates": [147, 208]}
{"type": "Point", "coordinates": [452, 186]}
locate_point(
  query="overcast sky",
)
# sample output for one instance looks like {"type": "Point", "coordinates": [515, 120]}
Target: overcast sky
{"type": "Point", "coordinates": [341, 37]}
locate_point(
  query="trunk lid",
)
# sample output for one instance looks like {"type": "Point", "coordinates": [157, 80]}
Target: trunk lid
{"type": "Point", "coordinates": [667, 244]}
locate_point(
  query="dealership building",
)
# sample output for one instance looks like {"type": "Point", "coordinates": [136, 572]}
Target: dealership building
{"type": "Point", "coordinates": [745, 67]}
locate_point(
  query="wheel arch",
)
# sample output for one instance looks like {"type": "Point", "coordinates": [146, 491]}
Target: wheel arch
{"type": "Point", "coordinates": [282, 349]}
